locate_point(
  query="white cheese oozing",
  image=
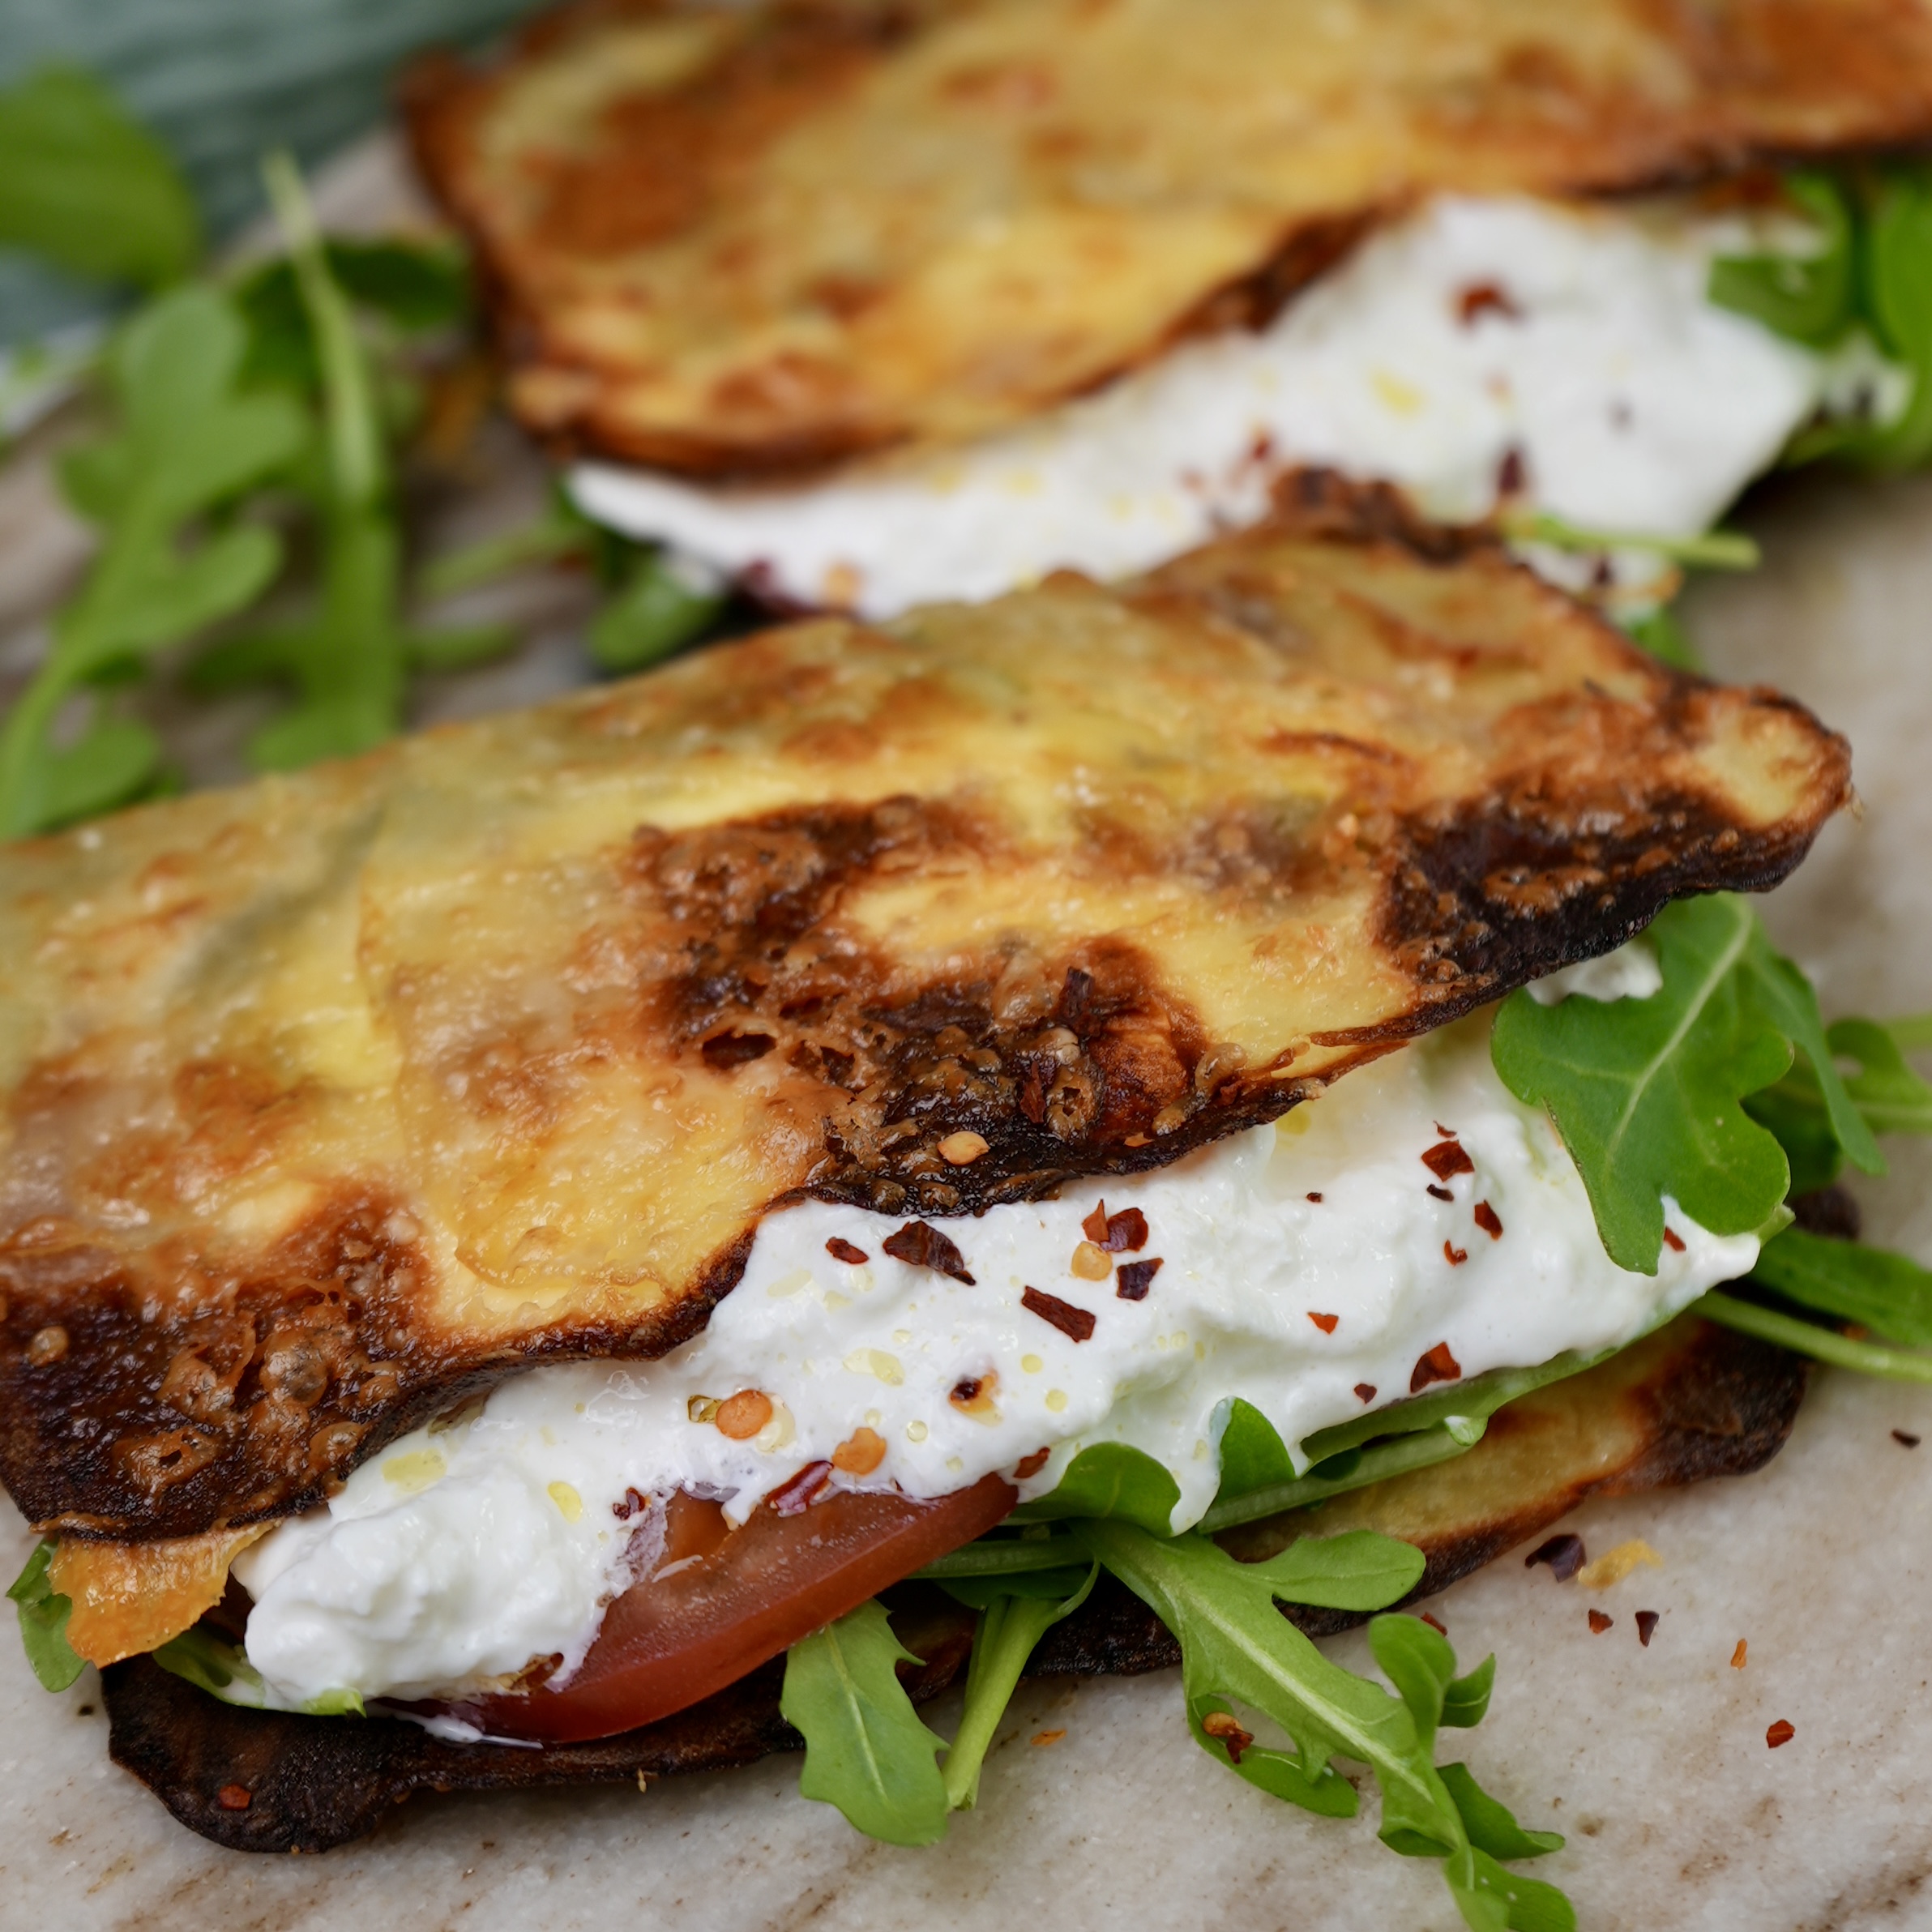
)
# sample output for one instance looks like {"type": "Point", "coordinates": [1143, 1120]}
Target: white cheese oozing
{"type": "Point", "coordinates": [1572, 346]}
{"type": "Point", "coordinates": [460, 1555]}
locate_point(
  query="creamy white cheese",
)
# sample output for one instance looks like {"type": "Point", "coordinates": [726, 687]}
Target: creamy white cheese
{"type": "Point", "coordinates": [1305, 1267]}
{"type": "Point", "coordinates": [1571, 346]}
{"type": "Point", "coordinates": [1630, 972]}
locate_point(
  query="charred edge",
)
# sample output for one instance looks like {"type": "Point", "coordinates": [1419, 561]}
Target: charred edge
{"type": "Point", "coordinates": [313, 1783]}
{"type": "Point", "coordinates": [1724, 1408]}
{"type": "Point", "coordinates": [155, 1424]}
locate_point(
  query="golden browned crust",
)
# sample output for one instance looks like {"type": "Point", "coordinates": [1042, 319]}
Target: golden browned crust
{"type": "Point", "coordinates": [1691, 1402]}
{"type": "Point", "coordinates": [745, 240]}
{"type": "Point", "coordinates": [331, 1099]}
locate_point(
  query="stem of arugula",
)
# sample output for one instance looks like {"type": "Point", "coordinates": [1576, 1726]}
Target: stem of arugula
{"type": "Point", "coordinates": [1807, 1338]}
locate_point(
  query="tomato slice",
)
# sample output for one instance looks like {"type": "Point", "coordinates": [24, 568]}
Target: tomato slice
{"type": "Point", "coordinates": [737, 1598]}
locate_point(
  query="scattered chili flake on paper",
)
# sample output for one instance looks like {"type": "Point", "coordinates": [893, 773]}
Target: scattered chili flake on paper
{"type": "Point", "coordinates": [1564, 1554]}
{"type": "Point", "coordinates": [1049, 1737]}
{"type": "Point", "coordinates": [1779, 1732]}
{"type": "Point", "coordinates": [1737, 1654]}
{"type": "Point", "coordinates": [1905, 1436]}
{"type": "Point", "coordinates": [1599, 1623]}
{"type": "Point", "coordinates": [1647, 1624]}
{"type": "Point", "coordinates": [1441, 1629]}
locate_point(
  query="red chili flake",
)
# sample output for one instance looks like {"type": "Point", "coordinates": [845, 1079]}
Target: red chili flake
{"type": "Point", "coordinates": [1075, 1323]}
{"type": "Point", "coordinates": [966, 1388]}
{"type": "Point", "coordinates": [1647, 1623]}
{"type": "Point", "coordinates": [1447, 1158]}
{"type": "Point", "coordinates": [1904, 1436]}
{"type": "Point", "coordinates": [1316, 1198]}
{"type": "Point", "coordinates": [1031, 1465]}
{"type": "Point", "coordinates": [632, 1505]}
{"type": "Point", "coordinates": [1441, 1194]}
{"type": "Point", "coordinates": [1365, 1392]}
{"type": "Point", "coordinates": [1325, 1322]}
{"type": "Point", "coordinates": [1599, 1623]}
{"type": "Point", "coordinates": [1564, 1554]}
{"type": "Point", "coordinates": [1488, 1220]}
{"type": "Point", "coordinates": [1122, 1233]}
{"type": "Point", "coordinates": [1673, 1240]}
{"type": "Point", "coordinates": [1132, 1279]}
{"type": "Point", "coordinates": [1219, 1723]}
{"type": "Point", "coordinates": [919, 1245]}
{"type": "Point", "coordinates": [1438, 1364]}
{"type": "Point", "coordinates": [841, 1249]}
{"type": "Point", "coordinates": [1512, 472]}
{"type": "Point", "coordinates": [1440, 1628]}
{"type": "Point", "coordinates": [234, 1797]}
{"type": "Point", "coordinates": [795, 1497]}
{"type": "Point", "coordinates": [1741, 1653]}
{"type": "Point", "coordinates": [1779, 1732]}
{"type": "Point", "coordinates": [1456, 1257]}
{"type": "Point", "coordinates": [1486, 298]}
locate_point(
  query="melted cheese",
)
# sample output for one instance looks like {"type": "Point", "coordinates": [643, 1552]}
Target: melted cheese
{"type": "Point", "coordinates": [1570, 348]}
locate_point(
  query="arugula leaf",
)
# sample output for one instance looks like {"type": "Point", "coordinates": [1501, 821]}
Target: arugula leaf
{"type": "Point", "coordinates": [1237, 1649]}
{"type": "Point", "coordinates": [1015, 1612]}
{"type": "Point", "coordinates": [1659, 632]}
{"type": "Point", "coordinates": [188, 442]}
{"type": "Point", "coordinates": [221, 1669]}
{"type": "Point", "coordinates": [1808, 1338]}
{"type": "Point", "coordinates": [1109, 1479]}
{"type": "Point", "coordinates": [1889, 1294]}
{"type": "Point", "coordinates": [1713, 550]}
{"type": "Point", "coordinates": [866, 1751]}
{"type": "Point", "coordinates": [656, 609]}
{"type": "Point", "coordinates": [348, 660]}
{"type": "Point", "coordinates": [43, 1614]}
{"type": "Point", "coordinates": [1886, 1090]}
{"type": "Point", "coordinates": [1810, 298]}
{"type": "Point", "coordinates": [1898, 283]}
{"type": "Point", "coordinates": [89, 189]}
{"type": "Point", "coordinates": [1646, 1092]}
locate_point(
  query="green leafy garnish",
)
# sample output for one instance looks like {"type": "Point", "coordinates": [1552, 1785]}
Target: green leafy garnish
{"type": "Point", "coordinates": [1811, 298]}
{"type": "Point", "coordinates": [43, 1614]}
{"type": "Point", "coordinates": [1714, 550]}
{"type": "Point", "coordinates": [189, 440]}
{"type": "Point", "coordinates": [1886, 1090]}
{"type": "Point", "coordinates": [1889, 1294]}
{"type": "Point", "coordinates": [1646, 1092]}
{"type": "Point", "coordinates": [1659, 632]}
{"type": "Point", "coordinates": [1015, 1612]}
{"type": "Point", "coordinates": [652, 612]}
{"type": "Point", "coordinates": [89, 189]}
{"type": "Point", "coordinates": [1808, 1338]}
{"type": "Point", "coordinates": [866, 1751]}
{"type": "Point", "coordinates": [1872, 272]}
{"type": "Point", "coordinates": [1237, 1650]}
{"type": "Point", "coordinates": [212, 1664]}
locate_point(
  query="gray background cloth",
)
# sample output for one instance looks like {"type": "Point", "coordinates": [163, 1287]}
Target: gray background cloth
{"type": "Point", "coordinates": [221, 81]}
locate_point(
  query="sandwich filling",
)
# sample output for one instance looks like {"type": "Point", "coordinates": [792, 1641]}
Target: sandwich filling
{"type": "Point", "coordinates": [1483, 353]}
{"type": "Point", "coordinates": [1415, 1226]}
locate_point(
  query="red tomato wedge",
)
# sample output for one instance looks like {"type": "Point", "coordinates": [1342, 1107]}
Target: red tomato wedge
{"type": "Point", "coordinates": [746, 1595]}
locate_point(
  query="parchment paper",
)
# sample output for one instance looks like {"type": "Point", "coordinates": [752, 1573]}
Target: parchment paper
{"type": "Point", "coordinates": [1096, 1809]}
